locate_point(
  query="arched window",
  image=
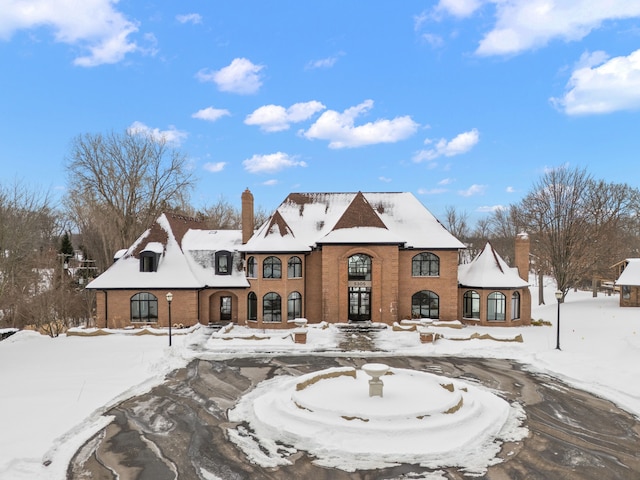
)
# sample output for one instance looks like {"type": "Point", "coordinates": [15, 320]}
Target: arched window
{"type": "Point", "coordinates": [252, 267]}
{"type": "Point", "coordinates": [294, 306]}
{"type": "Point", "coordinates": [144, 307]}
{"type": "Point", "coordinates": [294, 267]}
{"type": "Point", "coordinates": [425, 304]}
{"type": "Point", "coordinates": [496, 306]}
{"type": "Point", "coordinates": [271, 308]}
{"type": "Point", "coordinates": [360, 267]}
{"type": "Point", "coordinates": [252, 306]}
{"type": "Point", "coordinates": [425, 265]}
{"type": "Point", "coordinates": [515, 305]}
{"type": "Point", "coordinates": [272, 268]}
{"type": "Point", "coordinates": [471, 304]}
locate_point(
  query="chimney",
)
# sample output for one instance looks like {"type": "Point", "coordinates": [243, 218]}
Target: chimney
{"type": "Point", "coordinates": [247, 216]}
{"type": "Point", "coordinates": [522, 255]}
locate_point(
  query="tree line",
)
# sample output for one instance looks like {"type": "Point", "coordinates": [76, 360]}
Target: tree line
{"type": "Point", "coordinates": [118, 183]}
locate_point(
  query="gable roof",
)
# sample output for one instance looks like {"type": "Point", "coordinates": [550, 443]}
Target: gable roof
{"type": "Point", "coordinates": [631, 274]}
{"type": "Point", "coordinates": [313, 219]}
{"type": "Point", "coordinates": [186, 254]}
{"type": "Point", "coordinates": [489, 270]}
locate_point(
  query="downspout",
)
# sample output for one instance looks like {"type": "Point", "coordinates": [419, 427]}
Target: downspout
{"type": "Point", "coordinates": [106, 310]}
{"type": "Point", "coordinates": [198, 298]}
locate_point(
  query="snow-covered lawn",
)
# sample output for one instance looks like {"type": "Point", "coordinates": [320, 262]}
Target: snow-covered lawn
{"type": "Point", "coordinates": [53, 391]}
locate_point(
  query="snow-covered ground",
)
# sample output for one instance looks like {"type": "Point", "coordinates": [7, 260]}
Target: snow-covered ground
{"type": "Point", "coordinates": [53, 391]}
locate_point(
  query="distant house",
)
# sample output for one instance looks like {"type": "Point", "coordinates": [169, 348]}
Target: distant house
{"type": "Point", "coordinates": [629, 282]}
{"type": "Point", "coordinates": [334, 257]}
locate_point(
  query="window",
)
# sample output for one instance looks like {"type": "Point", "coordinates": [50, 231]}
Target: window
{"type": "Point", "coordinates": [148, 261]}
{"type": "Point", "coordinates": [626, 292]}
{"type": "Point", "coordinates": [425, 304]}
{"type": "Point", "coordinates": [515, 305]}
{"type": "Point", "coordinates": [359, 267]}
{"type": "Point", "coordinates": [272, 268]}
{"type": "Point", "coordinates": [223, 263]}
{"type": "Point", "coordinates": [144, 307]}
{"type": "Point", "coordinates": [252, 267]}
{"type": "Point", "coordinates": [271, 308]}
{"type": "Point", "coordinates": [425, 265]}
{"type": "Point", "coordinates": [294, 267]}
{"type": "Point", "coordinates": [471, 304]}
{"type": "Point", "coordinates": [252, 306]}
{"type": "Point", "coordinates": [294, 306]}
{"type": "Point", "coordinates": [496, 306]}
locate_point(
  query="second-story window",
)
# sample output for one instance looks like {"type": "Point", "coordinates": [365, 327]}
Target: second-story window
{"type": "Point", "coordinates": [294, 267]}
{"type": "Point", "coordinates": [272, 268]}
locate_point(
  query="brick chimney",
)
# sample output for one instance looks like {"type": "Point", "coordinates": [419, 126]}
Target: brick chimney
{"type": "Point", "coordinates": [247, 216]}
{"type": "Point", "coordinates": [522, 255]}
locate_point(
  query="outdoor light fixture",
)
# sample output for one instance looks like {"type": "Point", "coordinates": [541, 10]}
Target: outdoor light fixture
{"type": "Point", "coordinates": [169, 299]}
{"type": "Point", "coordinates": [558, 297]}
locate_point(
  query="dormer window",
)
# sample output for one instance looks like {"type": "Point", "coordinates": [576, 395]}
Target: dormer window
{"type": "Point", "coordinates": [223, 262]}
{"type": "Point", "coordinates": [149, 261]}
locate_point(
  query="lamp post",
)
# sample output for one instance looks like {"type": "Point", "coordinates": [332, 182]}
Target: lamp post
{"type": "Point", "coordinates": [169, 298]}
{"type": "Point", "coordinates": [558, 297]}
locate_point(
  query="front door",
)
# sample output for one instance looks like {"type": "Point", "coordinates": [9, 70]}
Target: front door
{"type": "Point", "coordinates": [359, 304]}
{"type": "Point", "coordinates": [225, 308]}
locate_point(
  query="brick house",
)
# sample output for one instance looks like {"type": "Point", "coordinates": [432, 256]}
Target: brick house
{"type": "Point", "coordinates": [334, 257]}
{"type": "Point", "coordinates": [629, 282]}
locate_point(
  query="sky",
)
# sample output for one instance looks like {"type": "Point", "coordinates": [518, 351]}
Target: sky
{"type": "Point", "coordinates": [464, 103]}
{"type": "Point", "coordinates": [80, 392]}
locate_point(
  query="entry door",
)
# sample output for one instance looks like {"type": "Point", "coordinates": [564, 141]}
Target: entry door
{"type": "Point", "coordinates": [359, 304]}
{"type": "Point", "coordinates": [225, 308]}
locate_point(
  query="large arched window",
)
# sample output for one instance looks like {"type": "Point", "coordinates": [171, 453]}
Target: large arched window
{"type": "Point", "coordinates": [294, 306]}
{"type": "Point", "coordinates": [496, 306]}
{"type": "Point", "coordinates": [425, 265]}
{"type": "Point", "coordinates": [271, 308]}
{"type": "Point", "coordinates": [425, 304]}
{"type": "Point", "coordinates": [360, 267]}
{"type": "Point", "coordinates": [252, 306]}
{"type": "Point", "coordinates": [144, 307]}
{"type": "Point", "coordinates": [515, 305]}
{"type": "Point", "coordinates": [252, 267]}
{"type": "Point", "coordinates": [272, 268]}
{"type": "Point", "coordinates": [471, 304]}
{"type": "Point", "coordinates": [294, 267]}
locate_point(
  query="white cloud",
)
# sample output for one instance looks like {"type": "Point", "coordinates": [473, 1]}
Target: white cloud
{"type": "Point", "coordinates": [271, 163]}
{"type": "Point", "coordinates": [510, 190]}
{"type": "Point", "coordinates": [323, 62]}
{"type": "Point", "coordinates": [432, 191]}
{"type": "Point", "coordinates": [92, 25]}
{"type": "Point", "coordinates": [459, 8]}
{"type": "Point", "coordinates": [340, 131]}
{"type": "Point", "coordinates": [462, 143]}
{"type": "Point", "coordinates": [270, 183]}
{"type": "Point", "coordinates": [170, 136]}
{"type": "Point", "coordinates": [241, 76]}
{"type": "Point", "coordinates": [214, 167]}
{"type": "Point", "coordinates": [446, 181]}
{"type": "Point", "coordinates": [189, 18]}
{"type": "Point", "coordinates": [490, 208]}
{"type": "Point", "coordinates": [384, 179]}
{"type": "Point", "coordinates": [432, 39]}
{"type": "Point", "coordinates": [210, 114]}
{"type": "Point", "coordinates": [474, 189]}
{"type": "Point", "coordinates": [526, 24]}
{"type": "Point", "coordinates": [599, 85]}
{"type": "Point", "coordinates": [275, 118]}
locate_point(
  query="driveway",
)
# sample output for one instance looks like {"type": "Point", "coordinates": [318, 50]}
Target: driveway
{"type": "Point", "coordinates": [181, 426]}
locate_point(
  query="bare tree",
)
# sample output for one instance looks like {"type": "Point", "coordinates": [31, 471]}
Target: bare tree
{"type": "Point", "coordinates": [456, 222]}
{"type": "Point", "coordinates": [556, 211]}
{"type": "Point", "coordinates": [118, 183]}
{"type": "Point", "coordinates": [29, 230]}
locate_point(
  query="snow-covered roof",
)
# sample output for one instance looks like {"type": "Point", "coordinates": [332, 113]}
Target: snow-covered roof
{"type": "Point", "coordinates": [631, 273]}
{"type": "Point", "coordinates": [489, 270]}
{"type": "Point", "coordinates": [186, 258]}
{"type": "Point", "coordinates": [306, 220]}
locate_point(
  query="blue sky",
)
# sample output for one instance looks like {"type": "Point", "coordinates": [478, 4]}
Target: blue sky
{"type": "Point", "coordinates": [461, 102]}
